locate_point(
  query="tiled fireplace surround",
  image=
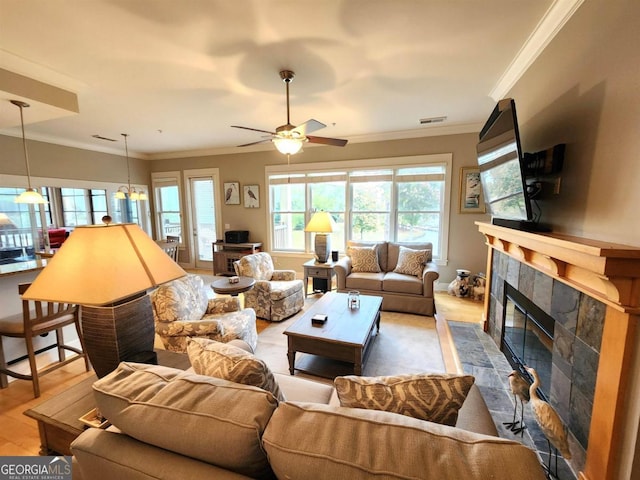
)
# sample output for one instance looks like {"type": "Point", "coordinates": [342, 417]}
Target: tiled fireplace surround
{"type": "Point", "coordinates": [592, 290]}
{"type": "Point", "coordinates": [576, 342]}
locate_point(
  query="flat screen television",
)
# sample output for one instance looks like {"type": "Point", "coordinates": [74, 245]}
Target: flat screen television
{"type": "Point", "coordinates": [501, 164]}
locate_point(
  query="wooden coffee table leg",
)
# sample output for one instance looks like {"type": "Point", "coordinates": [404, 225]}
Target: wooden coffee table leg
{"type": "Point", "coordinates": [291, 355]}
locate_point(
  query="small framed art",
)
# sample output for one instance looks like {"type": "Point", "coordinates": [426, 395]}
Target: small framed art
{"type": "Point", "coordinates": [231, 193]}
{"type": "Point", "coordinates": [252, 196]}
{"type": "Point", "coordinates": [471, 197]}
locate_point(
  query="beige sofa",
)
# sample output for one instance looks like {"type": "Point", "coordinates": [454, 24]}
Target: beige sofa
{"type": "Point", "coordinates": [400, 292]}
{"type": "Point", "coordinates": [180, 425]}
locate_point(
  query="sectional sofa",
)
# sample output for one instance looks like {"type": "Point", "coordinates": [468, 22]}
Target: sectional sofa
{"type": "Point", "coordinates": [180, 425]}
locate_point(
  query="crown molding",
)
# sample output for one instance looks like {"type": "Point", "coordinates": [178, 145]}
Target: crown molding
{"type": "Point", "coordinates": [551, 23]}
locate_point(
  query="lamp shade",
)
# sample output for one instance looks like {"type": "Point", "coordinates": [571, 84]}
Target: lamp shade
{"type": "Point", "coordinates": [31, 196]}
{"type": "Point", "coordinates": [321, 222]}
{"type": "Point", "coordinates": [103, 264]}
{"type": "Point", "coordinates": [5, 222]}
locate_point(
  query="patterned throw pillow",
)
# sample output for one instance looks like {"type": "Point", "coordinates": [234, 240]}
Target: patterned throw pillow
{"type": "Point", "coordinates": [435, 398]}
{"type": "Point", "coordinates": [221, 360]}
{"type": "Point", "coordinates": [364, 259]}
{"type": "Point", "coordinates": [411, 262]}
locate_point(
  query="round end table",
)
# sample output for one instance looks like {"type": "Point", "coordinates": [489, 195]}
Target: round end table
{"type": "Point", "coordinates": [224, 287]}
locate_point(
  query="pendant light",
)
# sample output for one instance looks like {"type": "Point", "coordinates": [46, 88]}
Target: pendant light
{"type": "Point", "coordinates": [123, 191]}
{"type": "Point", "coordinates": [30, 195]}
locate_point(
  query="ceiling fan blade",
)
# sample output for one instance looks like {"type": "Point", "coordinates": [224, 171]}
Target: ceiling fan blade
{"type": "Point", "coordinates": [253, 129]}
{"type": "Point", "coordinates": [336, 142]}
{"type": "Point", "coordinates": [255, 143]}
{"type": "Point", "coordinates": [308, 127]}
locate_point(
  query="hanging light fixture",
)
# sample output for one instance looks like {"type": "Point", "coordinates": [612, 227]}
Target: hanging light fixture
{"type": "Point", "coordinates": [288, 145]}
{"type": "Point", "coordinates": [123, 191]}
{"type": "Point", "coordinates": [30, 195]}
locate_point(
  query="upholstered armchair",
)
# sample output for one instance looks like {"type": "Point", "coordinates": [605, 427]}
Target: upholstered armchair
{"type": "Point", "coordinates": [182, 309]}
{"type": "Point", "coordinates": [277, 294]}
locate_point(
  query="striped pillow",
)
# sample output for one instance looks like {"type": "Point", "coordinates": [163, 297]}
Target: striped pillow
{"type": "Point", "coordinates": [432, 397]}
{"type": "Point", "coordinates": [221, 360]}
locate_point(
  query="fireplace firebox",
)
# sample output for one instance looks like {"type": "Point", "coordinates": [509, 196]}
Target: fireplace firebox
{"type": "Point", "coordinates": [528, 338]}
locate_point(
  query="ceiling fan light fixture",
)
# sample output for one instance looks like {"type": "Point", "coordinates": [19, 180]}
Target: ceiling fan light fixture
{"type": "Point", "coordinates": [287, 145]}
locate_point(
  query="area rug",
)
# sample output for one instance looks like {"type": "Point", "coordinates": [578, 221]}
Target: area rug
{"type": "Point", "coordinates": [405, 344]}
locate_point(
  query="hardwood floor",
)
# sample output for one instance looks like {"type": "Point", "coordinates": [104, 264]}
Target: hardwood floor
{"type": "Point", "coordinates": [19, 433]}
{"type": "Point", "coordinates": [458, 309]}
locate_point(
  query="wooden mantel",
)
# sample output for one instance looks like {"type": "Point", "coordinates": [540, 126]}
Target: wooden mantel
{"type": "Point", "coordinates": [611, 274]}
{"type": "Point", "coordinates": [606, 271]}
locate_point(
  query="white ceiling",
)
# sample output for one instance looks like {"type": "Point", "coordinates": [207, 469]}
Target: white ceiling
{"type": "Point", "coordinates": [175, 74]}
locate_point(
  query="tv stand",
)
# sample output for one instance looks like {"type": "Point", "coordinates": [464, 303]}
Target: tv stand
{"type": "Point", "coordinates": [524, 225]}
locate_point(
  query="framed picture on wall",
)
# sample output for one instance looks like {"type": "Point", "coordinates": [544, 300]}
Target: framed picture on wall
{"type": "Point", "coordinates": [471, 197]}
{"type": "Point", "coordinates": [231, 192]}
{"type": "Point", "coordinates": [252, 196]}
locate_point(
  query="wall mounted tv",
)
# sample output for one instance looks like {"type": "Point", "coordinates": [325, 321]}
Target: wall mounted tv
{"type": "Point", "coordinates": [501, 164]}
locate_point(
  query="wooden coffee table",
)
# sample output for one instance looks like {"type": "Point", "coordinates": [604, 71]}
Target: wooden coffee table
{"type": "Point", "coordinates": [345, 336]}
{"type": "Point", "coordinates": [58, 417]}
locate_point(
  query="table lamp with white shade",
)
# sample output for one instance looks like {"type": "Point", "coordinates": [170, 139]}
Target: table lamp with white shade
{"type": "Point", "coordinates": [107, 270]}
{"type": "Point", "coordinates": [322, 225]}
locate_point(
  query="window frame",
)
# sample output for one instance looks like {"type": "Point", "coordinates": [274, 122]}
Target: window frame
{"type": "Point", "coordinates": [166, 179]}
{"type": "Point", "coordinates": [392, 163]}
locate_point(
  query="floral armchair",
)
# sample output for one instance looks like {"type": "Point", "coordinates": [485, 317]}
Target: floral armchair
{"type": "Point", "coordinates": [182, 309]}
{"type": "Point", "coordinates": [277, 294]}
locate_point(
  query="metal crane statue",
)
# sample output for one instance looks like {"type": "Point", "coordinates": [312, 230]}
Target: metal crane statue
{"type": "Point", "coordinates": [520, 389]}
{"type": "Point", "coordinates": [550, 423]}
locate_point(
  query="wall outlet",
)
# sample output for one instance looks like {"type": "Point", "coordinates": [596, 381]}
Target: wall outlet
{"type": "Point", "coordinates": [227, 226]}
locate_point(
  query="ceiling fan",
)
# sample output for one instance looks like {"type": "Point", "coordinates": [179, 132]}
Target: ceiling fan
{"type": "Point", "coordinates": [288, 138]}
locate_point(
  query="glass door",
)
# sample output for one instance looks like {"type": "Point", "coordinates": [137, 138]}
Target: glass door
{"type": "Point", "coordinates": [203, 212]}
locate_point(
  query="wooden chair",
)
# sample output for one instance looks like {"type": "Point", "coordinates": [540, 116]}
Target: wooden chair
{"type": "Point", "coordinates": [171, 249]}
{"type": "Point", "coordinates": [39, 318]}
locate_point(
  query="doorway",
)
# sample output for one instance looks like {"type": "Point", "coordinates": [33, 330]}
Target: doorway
{"type": "Point", "coordinates": [204, 214]}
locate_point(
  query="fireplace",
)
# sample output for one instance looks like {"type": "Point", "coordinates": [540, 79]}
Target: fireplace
{"type": "Point", "coordinates": [591, 289]}
{"type": "Point", "coordinates": [528, 338]}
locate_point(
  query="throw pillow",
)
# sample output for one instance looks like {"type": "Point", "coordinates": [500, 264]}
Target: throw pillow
{"type": "Point", "coordinates": [411, 262]}
{"type": "Point", "coordinates": [364, 259]}
{"type": "Point", "coordinates": [221, 360]}
{"type": "Point", "coordinates": [435, 398]}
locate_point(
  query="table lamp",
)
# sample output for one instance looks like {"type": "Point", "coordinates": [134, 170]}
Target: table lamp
{"type": "Point", "coordinates": [322, 224]}
{"type": "Point", "coordinates": [107, 270]}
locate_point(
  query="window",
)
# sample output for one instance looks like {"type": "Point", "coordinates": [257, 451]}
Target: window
{"type": "Point", "coordinates": [82, 206]}
{"type": "Point", "coordinates": [167, 201]}
{"type": "Point", "coordinates": [20, 223]}
{"type": "Point", "coordinates": [98, 200]}
{"type": "Point", "coordinates": [401, 199]}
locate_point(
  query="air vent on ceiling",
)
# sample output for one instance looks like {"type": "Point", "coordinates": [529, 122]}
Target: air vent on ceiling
{"type": "Point", "coordinates": [100, 137]}
{"type": "Point", "coordinates": [426, 121]}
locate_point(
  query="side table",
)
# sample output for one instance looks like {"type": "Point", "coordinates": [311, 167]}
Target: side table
{"type": "Point", "coordinates": [59, 417]}
{"type": "Point", "coordinates": [224, 287]}
{"type": "Point", "coordinates": [321, 273]}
